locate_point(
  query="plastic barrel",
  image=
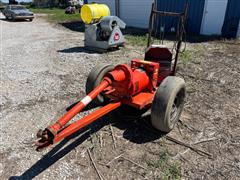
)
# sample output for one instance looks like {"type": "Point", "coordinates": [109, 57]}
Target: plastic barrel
{"type": "Point", "coordinates": [91, 13]}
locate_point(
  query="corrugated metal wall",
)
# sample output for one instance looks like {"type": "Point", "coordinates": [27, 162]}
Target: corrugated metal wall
{"type": "Point", "coordinates": [135, 13]}
{"type": "Point", "coordinates": [232, 19]}
{"type": "Point", "coordinates": [110, 3]}
{"type": "Point", "coordinates": [195, 13]}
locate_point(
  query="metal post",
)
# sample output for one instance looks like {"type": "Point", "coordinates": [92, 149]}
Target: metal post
{"type": "Point", "coordinates": [150, 26]}
{"type": "Point", "coordinates": [180, 37]}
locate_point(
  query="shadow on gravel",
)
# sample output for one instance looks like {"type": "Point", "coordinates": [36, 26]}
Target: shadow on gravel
{"type": "Point", "coordinates": [16, 20]}
{"type": "Point", "coordinates": [58, 151]}
{"type": "Point", "coordinates": [135, 124]}
{"type": "Point", "coordinates": [134, 130]}
{"type": "Point", "coordinates": [77, 49]}
{"type": "Point", "coordinates": [74, 26]}
{"type": "Point", "coordinates": [80, 49]}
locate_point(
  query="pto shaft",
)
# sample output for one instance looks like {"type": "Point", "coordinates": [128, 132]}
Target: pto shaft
{"type": "Point", "coordinates": [47, 136]}
{"type": "Point", "coordinates": [77, 125]}
{"type": "Point", "coordinates": [78, 107]}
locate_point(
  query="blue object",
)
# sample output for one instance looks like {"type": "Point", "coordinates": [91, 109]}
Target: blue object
{"type": "Point", "coordinates": [232, 18]}
{"type": "Point", "coordinates": [194, 19]}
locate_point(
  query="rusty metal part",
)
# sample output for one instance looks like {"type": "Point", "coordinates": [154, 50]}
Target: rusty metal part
{"type": "Point", "coordinates": [44, 135]}
{"type": "Point", "coordinates": [180, 29]}
{"type": "Point", "coordinates": [45, 138]}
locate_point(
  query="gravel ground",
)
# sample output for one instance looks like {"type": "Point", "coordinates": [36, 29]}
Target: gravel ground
{"type": "Point", "coordinates": [43, 70]}
{"type": "Point", "coordinates": [37, 78]}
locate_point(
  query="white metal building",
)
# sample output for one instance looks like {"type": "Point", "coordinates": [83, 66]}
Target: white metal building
{"type": "Point", "coordinates": [213, 17]}
{"type": "Point", "coordinates": [134, 13]}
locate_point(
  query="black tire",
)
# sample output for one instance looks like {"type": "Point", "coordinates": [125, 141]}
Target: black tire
{"type": "Point", "coordinates": [12, 17]}
{"type": "Point", "coordinates": [168, 103]}
{"type": "Point", "coordinates": [94, 79]}
{"type": "Point", "coordinates": [31, 19]}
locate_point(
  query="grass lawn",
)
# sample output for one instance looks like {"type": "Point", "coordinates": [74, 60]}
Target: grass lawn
{"type": "Point", "coordinates": [137, 40]}
{"type": "Point", "coordinates": [56, 15]}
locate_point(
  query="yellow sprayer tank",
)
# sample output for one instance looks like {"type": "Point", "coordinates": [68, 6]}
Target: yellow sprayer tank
{"type": "Point", "coordinates": [91, 13]}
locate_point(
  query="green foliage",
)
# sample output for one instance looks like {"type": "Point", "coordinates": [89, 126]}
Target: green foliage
{"type": "Point", "coordinates": [161, 162]}
{"type": "Point", "coordinates": [186, 56]}
{"type": "Point", "coordinates": [57, 15]}
{"type": "Point", "coordinates": [2, 5]}
{"type": "Point", "coordinates": [136, 40]}
{"type": "Point", "coordinates": [173, 171]}
{"type": "Point", "coordinates": [169, 170]}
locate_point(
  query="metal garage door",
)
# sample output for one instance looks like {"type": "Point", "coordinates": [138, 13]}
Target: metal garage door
{"type": "Point", "coordinates": [232, 18]}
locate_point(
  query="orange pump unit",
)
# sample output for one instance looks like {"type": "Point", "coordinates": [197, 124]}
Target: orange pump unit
{"type": "Point", "coordinates": [133, 85]}
{"type": "Point", "coordinates": [145, 84]}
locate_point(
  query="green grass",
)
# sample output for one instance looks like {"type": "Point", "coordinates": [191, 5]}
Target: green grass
{"type": "Point", "coordinates": [170, 170]}
{"type": "Point", "coordinates": [161, 162]}
{"type": "Point", "coordinates": [56, 15]}
{"type": "Point", "coordinates": [140, 40]}
{"type": "Point", "coordinates": [186, 56]}
{"type": "Point", "coordinates": [2, 7]}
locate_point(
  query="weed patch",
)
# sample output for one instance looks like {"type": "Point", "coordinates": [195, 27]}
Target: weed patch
{"type": "Point", "coordinates": [57, 15]}
{"type": "Point", "coordinates": [170, 170]}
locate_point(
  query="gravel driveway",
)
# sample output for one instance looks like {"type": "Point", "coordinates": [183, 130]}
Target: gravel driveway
{"type": "Point", "coordinates": [44, 68]}
{"type": "Point", "coordinates": [36, 72]}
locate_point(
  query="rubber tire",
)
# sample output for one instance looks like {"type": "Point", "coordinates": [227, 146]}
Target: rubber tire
{"type": "Point", "coordinates": [12, 18]}
{"type": "Point", "coordinates": [31, 19]}
{"type": "Point", "coordinates": [94, 79]}
{"type": "Point", "coordinates": [163, 101]}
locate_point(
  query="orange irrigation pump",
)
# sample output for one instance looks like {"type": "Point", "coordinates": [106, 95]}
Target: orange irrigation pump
{"type": "Point", "coordinates": [148, 83]}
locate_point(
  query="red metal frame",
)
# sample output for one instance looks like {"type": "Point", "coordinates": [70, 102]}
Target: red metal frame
{"type": "Point", "coordinates": [77, 125]}
{"type": "Point", "coordinates": [161, 55]}
{"type": "Point", "coordinates": [77, 108]}
{"type": "Point", "coordinates": [179, 35]}
{"type": "Point", "coordinates": [133, 85]}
